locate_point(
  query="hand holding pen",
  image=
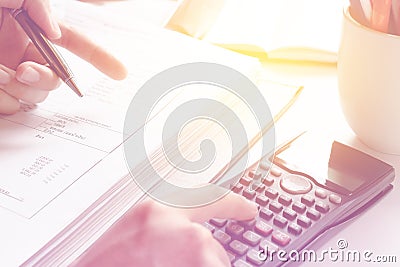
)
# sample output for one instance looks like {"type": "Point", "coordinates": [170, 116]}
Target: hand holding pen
{"type": "Point", "coordinates": [24, 75]}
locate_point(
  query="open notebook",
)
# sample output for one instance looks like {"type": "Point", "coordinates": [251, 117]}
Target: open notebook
{"type": "Point", "coordinates": [305, 30]}
{"type": "Point", "coordinates": [62, 160]}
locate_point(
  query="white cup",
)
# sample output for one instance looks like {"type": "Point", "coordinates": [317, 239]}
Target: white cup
{"type": "Point", "coordinates": [369, 84]}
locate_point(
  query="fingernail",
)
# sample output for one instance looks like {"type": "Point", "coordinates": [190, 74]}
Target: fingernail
{"type": "Point", "coordinates": [29, 75]}
{"type": "Point", "coordinates": [4, 77]}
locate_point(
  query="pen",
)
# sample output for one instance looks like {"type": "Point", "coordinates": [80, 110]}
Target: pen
{"type": "Point", "coordinates": [46, 48]}
{"type": "Point", "coordinates": [381, 14]}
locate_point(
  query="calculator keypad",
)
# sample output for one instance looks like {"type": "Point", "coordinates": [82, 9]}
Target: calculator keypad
{"type": "Point", "coordinates": [288, 207]}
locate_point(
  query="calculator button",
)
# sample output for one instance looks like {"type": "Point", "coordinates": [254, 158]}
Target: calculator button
{"type": "Point", "coordinates": [271, 193]}
{"type": "Point", "coordinates": [280, 221]}
{"type": "Point", "coordinates": [231, 256]}
{"type": "Point", "coordinates": [251, 238]}
{"type": "Point", "coordinates": [209, 227]}
{"type": "Point", "coordinates": [263, 229]}
{"type": "Point", "coordinates": [304, 221]}
{"type": "Point", "coordinates": [234, 229]}
{"type": "Point", "coordinates": [255, 174]}
{"type": "Point", "coordinates": [295, 184]}
{"type": "Point", "coordinates": [268, 247]}
{"type": "Point", "coordinates": [218, 222]}
{"type": "Point", "coordinates": [321, 207]}
{"type": "Point", "coordinates": [280, 238]}
{"type": "Point", "coordinates": [262, 200]}
{"type": "Point", "coordinates": [313, 214]}
{"type": "Point", "coordinates": [299, 207]}
{"type": "Point", "coordinates": [241, 263]}
{"type": "Point", "coordinates": [275, 172]}
{"type": "Point", "coordinates": [335, 199]}
{"type": "Point", "coordinates": [268, 181]}
{"type": "Point", "coordinates": [321, 193]}
{"type": "Point", "coordinates": [249, 193]}
{"type": "Point", "coordinates": [222, 237]}
{"type": "Point", "coordinates": [266, 214]}
{"type": "Point", "coordinates": [308, 200]}
{"type": "Point", "coordinates": [259, 188]}
{"type": "Point", "coordinates": [248, 224]}
{"type": "Point", "coordinates": [253, 257]}
{"type": "Point", "coordinates": [245, 180]}
{"type": "Point", "coordinates": [294, 229]}
{"type": "Point", "coordinates": [289, 214]}
{"type": "Point", "coordinates": [238, 247]}
{"type": "Point", "coordinates": [275, 207]}
{"type": "Point", "coordinates": [237, 188]}
{"type": "Point", "coordinates": [285, 200]}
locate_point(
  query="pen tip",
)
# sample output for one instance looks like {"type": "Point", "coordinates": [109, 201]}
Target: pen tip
{"type": "Point", "coordinates": [71, 83]}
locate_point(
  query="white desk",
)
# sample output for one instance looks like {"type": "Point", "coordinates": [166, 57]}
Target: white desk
{"type": "Point", "coordinates": [377, 229]}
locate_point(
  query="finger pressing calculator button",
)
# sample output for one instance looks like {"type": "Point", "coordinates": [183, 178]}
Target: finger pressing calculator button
{"type": "Point", "coordinates": [271, 193]}
{"type": "Point", "coordinates": [263, 229]}
{"type": "Point", "coordinates": [295, 184]}
{"type": "Point", "coordinates": [248, 224]}
{"type": "Point", "coordinates": [238, 247]}
{"type": "Point", "coordinates": [266, 214]}
{"type": "Point", "coordinates": [308, 200]}
{"type": "Point", "coordinates": [209, 227]}
{"type": "Point", "coordinates": [218, 222]}
{"type": "Point", "coordinates": [299, 207]}
{"type": "Point", "coordinates": [303, 221]}
{"type": "Point", "coordinates": [222, 237]}
{"type": "Point", "coordinates": [234, 229]}
{"type": "Point", "coordinates": [280, 238]}
{"type": "Point", "coordinates": [253, 257]}
{"type": "Point", "coordinates": [251, 238]}
{"type": "Point", "coordinates": [231, 256]}
{"type": "Point", "coordinates": [313, 214]}
{"type": "Point", "coordinates": [335, 199]}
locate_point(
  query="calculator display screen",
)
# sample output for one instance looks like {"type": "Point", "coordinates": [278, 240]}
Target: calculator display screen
{"type": "Point", "coordinates": [332, 164]}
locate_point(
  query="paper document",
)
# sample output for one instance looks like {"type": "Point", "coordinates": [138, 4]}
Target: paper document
{"type": "Point", "coordinates": [51, 153]}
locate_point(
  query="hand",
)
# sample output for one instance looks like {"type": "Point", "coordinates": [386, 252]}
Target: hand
{"type": "Point", "coordinates": [23, 74]}
{"type": "Point", "coordinates": [152, 234]}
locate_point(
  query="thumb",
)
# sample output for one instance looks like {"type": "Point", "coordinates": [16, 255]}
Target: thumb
{"type": "Point", "coordinates": [231, 206]}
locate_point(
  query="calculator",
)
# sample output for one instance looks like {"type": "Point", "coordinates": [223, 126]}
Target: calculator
{"type": "Point", "coordinates": [311, 185]}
